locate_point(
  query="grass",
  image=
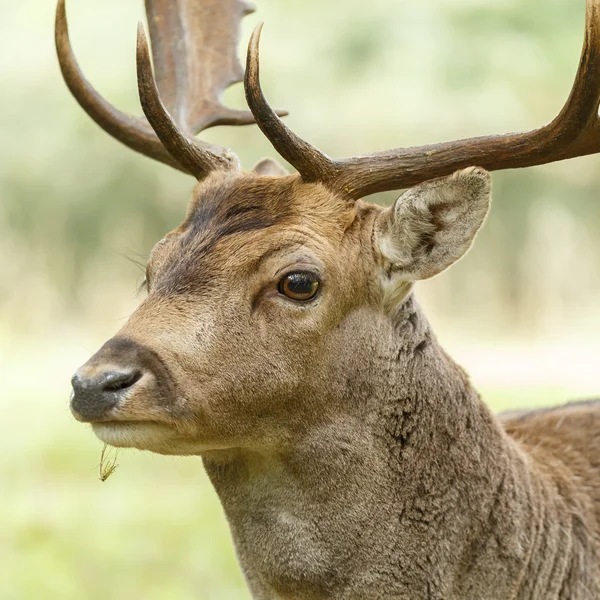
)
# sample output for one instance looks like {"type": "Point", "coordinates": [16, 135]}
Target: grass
{"type": "Point", "coordinates": [153, 531]}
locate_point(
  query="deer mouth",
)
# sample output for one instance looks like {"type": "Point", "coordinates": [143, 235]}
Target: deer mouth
{"type": "Point", "coordinates": [124, 423]}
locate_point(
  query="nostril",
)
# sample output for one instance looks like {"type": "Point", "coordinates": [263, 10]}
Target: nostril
{"type": "Point", "coordinates": [116, 381]}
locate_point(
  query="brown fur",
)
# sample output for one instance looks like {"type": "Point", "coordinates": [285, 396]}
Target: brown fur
{"type": "Point", "coordinates": [352, 456]}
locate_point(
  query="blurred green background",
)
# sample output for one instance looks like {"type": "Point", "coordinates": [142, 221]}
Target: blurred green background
{"type": "Point", "coordinates": [78, 211]}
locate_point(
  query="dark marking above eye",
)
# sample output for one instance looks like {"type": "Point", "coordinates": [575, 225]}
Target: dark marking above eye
{"type": "Point", "coordinates": [242, 209]}
{"type": "Point", "coordinates": [226, 212]}
{"type": "Point", "coordinates": [247, 224]}
{"type": "Point", "coordinates": [220, 211]}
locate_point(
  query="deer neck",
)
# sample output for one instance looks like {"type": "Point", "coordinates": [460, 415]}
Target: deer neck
{"type": "Point", "coordinates": [409, 488]}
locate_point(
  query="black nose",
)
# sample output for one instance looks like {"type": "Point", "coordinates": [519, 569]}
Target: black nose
{"type": "Point", "coordinates": [94, 394]}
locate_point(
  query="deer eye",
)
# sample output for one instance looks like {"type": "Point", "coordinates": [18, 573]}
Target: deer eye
{"type": "Point", "coordinates": [300, 286]}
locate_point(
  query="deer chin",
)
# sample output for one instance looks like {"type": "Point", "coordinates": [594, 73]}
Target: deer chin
{"type": "Point", "coordinates": [144, 435]}
{"type": "Point", "coordinates": [130, 434]}
{"type": "Point", "coordinates": [154, 436]}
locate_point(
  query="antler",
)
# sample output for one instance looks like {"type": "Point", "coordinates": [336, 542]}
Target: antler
{"type": "Point", "coordinates": [194, 49]}
{"type": "Point", "coordinates": [311, 163]}
{"type": "Point", "coordinates": [574, 132]}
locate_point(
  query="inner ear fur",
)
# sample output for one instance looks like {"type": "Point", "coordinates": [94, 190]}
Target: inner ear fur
{"type": "Point", "coordinates": [269, 167]}
{"type": "Point", "coordinates": [433, 224]}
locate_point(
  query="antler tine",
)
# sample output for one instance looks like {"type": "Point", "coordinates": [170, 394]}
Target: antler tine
{"type": "Point", "coordinates": [312, 164]}
{"type": "Point", "coordinates": [132, 131]}
{"type": "Point", "coordinates": [580, 113]}
{"type": "Point", "coordinates": [192, 156]}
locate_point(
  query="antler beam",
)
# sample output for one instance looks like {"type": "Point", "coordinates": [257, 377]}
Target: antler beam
{"type": "Point", "coordinates": [574, 132]}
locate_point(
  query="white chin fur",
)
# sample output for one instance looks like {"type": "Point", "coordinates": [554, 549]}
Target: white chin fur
{"type": "Point", "coordinates": [145, 436]}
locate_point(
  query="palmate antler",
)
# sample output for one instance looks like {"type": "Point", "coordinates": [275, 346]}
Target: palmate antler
{"type": "Point", "coordinates": [574, 132]}
{"type": "Point", "coordinates": [194, 46]}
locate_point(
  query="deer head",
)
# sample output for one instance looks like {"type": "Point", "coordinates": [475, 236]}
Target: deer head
{"type": "Point", "coordinates": [262, 304]}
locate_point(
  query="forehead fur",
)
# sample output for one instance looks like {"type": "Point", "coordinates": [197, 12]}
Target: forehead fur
{"type": "Point", "coordinates": [226, 204]}
{"type": "Point", "coordinates": [230, 211]}
{"type": "Point", "coordinates": [244, 198]}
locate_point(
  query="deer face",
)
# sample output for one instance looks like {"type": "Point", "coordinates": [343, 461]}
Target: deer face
{"type": "Point", "coordinates": [231, 333]}
{"type": "Point", "coordinates": [259, 305]}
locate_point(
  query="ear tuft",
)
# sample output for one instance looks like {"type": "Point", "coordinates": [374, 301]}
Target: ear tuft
{"type": "Point", "coordinates": [269, 167]}
{"type": "Point", "coordinates": [433, 224]}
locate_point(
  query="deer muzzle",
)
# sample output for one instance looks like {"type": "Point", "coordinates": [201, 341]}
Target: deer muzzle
{"type": "Point", "coordinates": [109, 385]}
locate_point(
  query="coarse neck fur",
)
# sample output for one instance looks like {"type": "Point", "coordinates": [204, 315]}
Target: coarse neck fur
{"type": "Point", "coordinates": [416, 492]}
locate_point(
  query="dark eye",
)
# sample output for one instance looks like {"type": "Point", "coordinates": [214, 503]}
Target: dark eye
{"type": "Point", "coordinates": [300, 286]}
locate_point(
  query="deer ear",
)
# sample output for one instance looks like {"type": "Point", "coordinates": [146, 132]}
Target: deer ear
{"type": "Point", "coordinates": [268, 166]}
{"type": "Point", "coordinates": [433, 224]}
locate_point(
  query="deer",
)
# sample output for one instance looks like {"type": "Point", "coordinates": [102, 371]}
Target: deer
{"type": "Point", "coordinates": [281, 341]}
